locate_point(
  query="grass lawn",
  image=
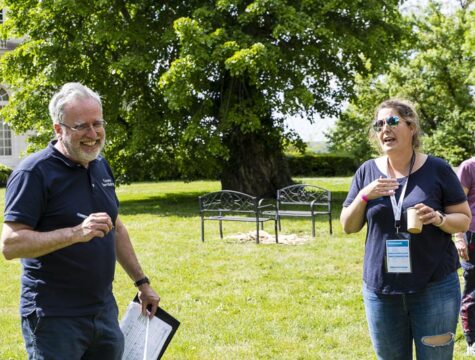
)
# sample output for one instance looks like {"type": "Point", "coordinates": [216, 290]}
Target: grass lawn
{"type": "Point", "coordinates": [235, 300]}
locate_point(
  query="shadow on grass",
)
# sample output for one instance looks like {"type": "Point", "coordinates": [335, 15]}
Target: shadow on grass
{"type": "Point", "coordinates": [186, 204]}
{"type": "Point", "coordinates": [181, 204]}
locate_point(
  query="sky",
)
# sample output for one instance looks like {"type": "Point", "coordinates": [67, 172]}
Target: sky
{"type": "Point", "coordinates": [311, 132]}
{"type": "Point", "coordinates": [315, 131]}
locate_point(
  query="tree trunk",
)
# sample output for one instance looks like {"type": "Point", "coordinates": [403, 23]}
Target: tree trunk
{"type": "Point", "coordinates": [256, 165]}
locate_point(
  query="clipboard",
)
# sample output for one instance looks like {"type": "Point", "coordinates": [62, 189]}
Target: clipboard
{"type": "Point", "coordinates": [133, 326]}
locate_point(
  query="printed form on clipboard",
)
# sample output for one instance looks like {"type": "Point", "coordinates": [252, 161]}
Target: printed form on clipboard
{"type": "Point", "coordinates": [145, 338]}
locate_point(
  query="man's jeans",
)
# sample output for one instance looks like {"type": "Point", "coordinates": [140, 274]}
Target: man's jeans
{"type": "Point", "coordinates": [429, 318]}
{"type": "Point", "coordinates": [74, 338]}
{"type": "Point", "coordinates": [467, 311]}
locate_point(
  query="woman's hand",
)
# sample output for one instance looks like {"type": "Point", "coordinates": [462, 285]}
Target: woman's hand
{"type": "Point", "coordinates": [352, 217]}
{"type": "Point", "coordinates": [428, 215]}
{"type": "Point", "coordinates": [380, 187]}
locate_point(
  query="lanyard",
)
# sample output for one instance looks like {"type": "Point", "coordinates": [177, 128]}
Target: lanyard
{"type": "Point", "coordinates": [397, 207]}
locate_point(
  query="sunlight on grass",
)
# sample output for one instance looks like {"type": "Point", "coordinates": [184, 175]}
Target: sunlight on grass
{"type": "Point", "coordinates": [235, 300]}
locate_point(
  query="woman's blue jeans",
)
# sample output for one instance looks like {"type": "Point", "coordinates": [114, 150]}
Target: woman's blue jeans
{"type": "Point", "coordinates": [427, 318]}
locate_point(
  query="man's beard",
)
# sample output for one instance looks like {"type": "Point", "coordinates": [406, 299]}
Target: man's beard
{"type": "Point", "coordinates": [76, 153]}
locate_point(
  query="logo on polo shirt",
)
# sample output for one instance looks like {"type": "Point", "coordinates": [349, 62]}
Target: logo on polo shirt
{"type": "Point", "coordinates": [107, 182]}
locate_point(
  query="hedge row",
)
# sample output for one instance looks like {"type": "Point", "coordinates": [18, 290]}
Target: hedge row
{"type": "Point", "coordinates": [321, 165]}
{"type": "Point", "coordinates": [299, 165]}
{"type": "Point", "coordinates": [5, 172]}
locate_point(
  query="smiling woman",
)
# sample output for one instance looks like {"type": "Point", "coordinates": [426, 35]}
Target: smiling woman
{"type": "Point", "coordinates": [406, 276]}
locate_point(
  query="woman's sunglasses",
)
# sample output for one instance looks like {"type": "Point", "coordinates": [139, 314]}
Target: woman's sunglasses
{"type": "Point", "coordinates": [392, 121]}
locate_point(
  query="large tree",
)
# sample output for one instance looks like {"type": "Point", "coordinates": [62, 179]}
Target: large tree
{"type": "Point", "coordinates": [436, 73]}
{"type": "Point", "coordinates": [205, 85]}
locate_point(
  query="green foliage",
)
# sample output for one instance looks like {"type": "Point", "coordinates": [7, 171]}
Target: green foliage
{"type": "Point", "coordinates": [321, 165]}
{"type": "Point", "coordinates": [352, 132]}
{"type": "Point", "coordinates": [435, 74]}
{"type": "Point", "coordinates": [469, 45]}
{"type": "Point", "coordinates": [217, 44]}
{"type": "Point", "coordinates": [178, 77]}
{"type": "Point", "coordinates": [453, 139]}
{"type": "Point", "coordinates": [5, 172]}
{"type": "Point", "coordinates": [112, 49]}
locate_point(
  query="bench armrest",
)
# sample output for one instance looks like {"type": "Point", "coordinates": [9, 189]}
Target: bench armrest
{"type": "Point", "coordinates": [312, 205]}
{"type": "Point", "coordinates": [262, 204]}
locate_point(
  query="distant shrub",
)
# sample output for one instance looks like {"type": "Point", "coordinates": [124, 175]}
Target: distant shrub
{"type": "Point", "coordinates": [5, 172]}
{"type": "Point", "coordinates": [321, 165]}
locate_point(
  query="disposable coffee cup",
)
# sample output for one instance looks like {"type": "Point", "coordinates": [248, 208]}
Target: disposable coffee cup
{"type": "Point", "coordinates": [414, 224]}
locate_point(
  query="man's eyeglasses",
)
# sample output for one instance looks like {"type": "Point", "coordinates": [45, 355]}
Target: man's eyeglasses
{"type": "Point", "coordinates": [97, 126]}
{"type": "Point", "coordinates": [392, 121]}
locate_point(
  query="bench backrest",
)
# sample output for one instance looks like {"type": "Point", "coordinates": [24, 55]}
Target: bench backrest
{"type": "Point", "coordinates": [304, 194]}
{"type": "Point", "coordinates": [228, 201]}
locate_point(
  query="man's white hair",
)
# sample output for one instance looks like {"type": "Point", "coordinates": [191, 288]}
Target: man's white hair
{"type": "Point", "coordinates": [69, 92]}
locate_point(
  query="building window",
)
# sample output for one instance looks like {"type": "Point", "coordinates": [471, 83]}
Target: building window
{"type": "Point", "coordinates": [5, 132]}
{"type": "Point", "coordinates": [3, 42]}
{"type": "Point", "coordinates": [5, 140]}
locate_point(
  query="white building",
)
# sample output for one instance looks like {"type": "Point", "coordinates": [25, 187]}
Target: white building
{"type": "Point", "coordinates": [12, 146]}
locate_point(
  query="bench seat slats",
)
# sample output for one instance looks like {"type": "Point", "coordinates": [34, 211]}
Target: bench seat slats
{"type": "Point", "coordinates": [300, 213]}
{"type": "Point", "coordinates": [237, 218]}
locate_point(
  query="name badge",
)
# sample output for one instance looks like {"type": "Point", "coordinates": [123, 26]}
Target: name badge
{"type": "Point", "coordinates": [398, 256]}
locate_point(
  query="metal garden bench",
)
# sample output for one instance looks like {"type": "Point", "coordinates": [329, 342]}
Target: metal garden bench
{"type": "Point", "coordinates": [228, 205]}
{"type": "Point", "coordinates": [303, 200]}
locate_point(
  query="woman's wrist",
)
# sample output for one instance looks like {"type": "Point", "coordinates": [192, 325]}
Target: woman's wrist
{"type": "Point", "coordinates": [442, 217]}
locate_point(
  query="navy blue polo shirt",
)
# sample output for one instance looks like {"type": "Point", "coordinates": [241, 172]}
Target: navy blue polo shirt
{"type": "Point", "coordinates": [47, 191]}
{"type": "Point", "coordinates": [433, 253]}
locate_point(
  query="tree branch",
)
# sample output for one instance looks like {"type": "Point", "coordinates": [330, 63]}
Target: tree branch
{"type": "Point", "coordinates": [123, 10]}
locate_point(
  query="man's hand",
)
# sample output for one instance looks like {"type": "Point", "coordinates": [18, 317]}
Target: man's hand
{"type": "Point", "coordinates": [94, 225]}
{"type": "Point", "coordinates": [148, 296]}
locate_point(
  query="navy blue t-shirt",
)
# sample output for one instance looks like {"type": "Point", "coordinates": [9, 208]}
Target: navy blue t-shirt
{"type": "Point", "coordinates": [433, 253]}
{"type": "Point", "coordinates": [47, 191]}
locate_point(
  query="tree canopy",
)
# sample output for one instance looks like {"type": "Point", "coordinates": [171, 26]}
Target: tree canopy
{"type": "Point", "coordinates": [201, 85]}
{"type": "Point", "coordinates": [436, 72]}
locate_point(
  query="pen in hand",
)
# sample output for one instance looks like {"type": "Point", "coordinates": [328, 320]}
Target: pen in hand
{"type": "Point", "coordinates": [82, 216]}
